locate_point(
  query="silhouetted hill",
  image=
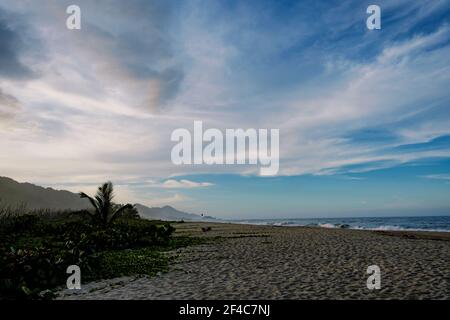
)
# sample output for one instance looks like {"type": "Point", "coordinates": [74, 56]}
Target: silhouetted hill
{"type": "Point", "coordinates": [167, 213]}
{"type": "Point", "coordinates": [13, 193]}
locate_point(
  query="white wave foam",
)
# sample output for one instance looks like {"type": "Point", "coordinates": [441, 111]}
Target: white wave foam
{"type": "Point", "coordinates": [285, 223]}
{"type": "Point", "coordinates": [397, 228]}
{"type": "Point", "coordinates": [379, 228]}
{"type": "Point", "coordinates": [328, 225]}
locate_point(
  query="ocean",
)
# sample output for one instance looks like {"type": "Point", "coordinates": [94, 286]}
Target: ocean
{"type": "Point", "coordinates": [429, 223]}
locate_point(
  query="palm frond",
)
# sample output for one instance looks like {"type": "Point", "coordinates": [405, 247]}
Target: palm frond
{"type": "Point", "coordinates": [91, 200]}
{"type": "Point", "coordinates": [103, 203]}
{"type": "Point", "coordinates": [99, 201]}
{"type": "Point", "coordinates": [119, 211]}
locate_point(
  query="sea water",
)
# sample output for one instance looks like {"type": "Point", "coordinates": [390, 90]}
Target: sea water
{"type": "Point", "coordinates": [426, 223]}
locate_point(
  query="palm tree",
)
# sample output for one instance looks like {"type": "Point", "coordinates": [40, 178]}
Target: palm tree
{"type": "Point", "coordinates": [105, 211]}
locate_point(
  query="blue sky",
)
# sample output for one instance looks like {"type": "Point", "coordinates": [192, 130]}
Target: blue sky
{"type": "Point", "coordinates": [363, 115]}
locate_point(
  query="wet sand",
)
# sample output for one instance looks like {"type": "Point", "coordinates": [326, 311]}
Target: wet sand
{"type": "Point", "coordinates": [268, 262]}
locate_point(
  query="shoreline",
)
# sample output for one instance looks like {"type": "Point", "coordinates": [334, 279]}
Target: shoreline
{"type": "Point", "coordinates": [404, 233]}
{"type": "Point", "coordinates": [327, 224]}
{"type": "Point", "coordinates": [274, 262]}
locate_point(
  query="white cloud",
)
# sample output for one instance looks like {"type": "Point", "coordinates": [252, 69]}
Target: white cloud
{"type": "Point", "coordinates": [377, 94]}
{"type": "Point", "coordinates": [445, 177]}
{"type": "Point", "coordinates": [184, 184]}
{"type": "Point", "coordinates": [82, 120]}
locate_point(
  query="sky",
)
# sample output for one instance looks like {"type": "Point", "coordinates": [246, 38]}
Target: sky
{"type": "Point", "coordinates": [364, 115]}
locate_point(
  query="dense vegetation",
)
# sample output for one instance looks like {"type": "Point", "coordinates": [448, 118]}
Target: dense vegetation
{"type": "Point", "coordinates": [37, 247]}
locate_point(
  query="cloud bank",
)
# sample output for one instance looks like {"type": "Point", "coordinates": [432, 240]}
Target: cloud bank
{"type": "Point", "coordinates": [100, 103]}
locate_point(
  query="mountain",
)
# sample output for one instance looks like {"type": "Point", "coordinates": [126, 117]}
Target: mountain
{"type": "Point", "coordinates": [14, 194]}
{"type": "Point", "coordinates": [168, 213]}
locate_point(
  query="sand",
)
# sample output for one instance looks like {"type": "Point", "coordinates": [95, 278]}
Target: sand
{"type": "Point", "coordinates": [268, 262]}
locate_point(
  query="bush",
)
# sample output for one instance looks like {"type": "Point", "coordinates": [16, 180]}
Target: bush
{"type": "Point", "coordinates": [143, 261]}
{"type": "Point", "coordinates": [18, 225]}
{"type": "Point", "coordinates": [26, 272]}
{"type": "Point", "coordinates": [35, 253]}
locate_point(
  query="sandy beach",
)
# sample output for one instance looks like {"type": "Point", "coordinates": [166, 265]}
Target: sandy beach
{"type": "Point", "coordinates": [268, 262]}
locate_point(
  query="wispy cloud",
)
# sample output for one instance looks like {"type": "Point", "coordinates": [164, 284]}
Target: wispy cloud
{"type": "Point", "coordinates": [445, 177]}
{"type": "Point", "coordinates": [184, 184]}
{"type": "Point", "coordinates": [100, 104]}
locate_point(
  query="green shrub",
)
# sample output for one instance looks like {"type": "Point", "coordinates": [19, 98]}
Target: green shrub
{"type": "Point", "coordinates": [18, 225]}
{"type": "Point", "coordinates": [25, 273]}
{"type": "Point", "coordinates": [35, 253]}
{"type": "Point", "coordinates": [144, 261]}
